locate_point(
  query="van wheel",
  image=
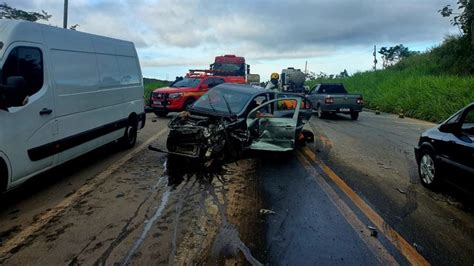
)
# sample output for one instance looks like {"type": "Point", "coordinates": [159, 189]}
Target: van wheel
{"type": "Point", "coordinates": [130, 137]}
{"type": "Point", "coordinates": [188, 104]}
{"type": "Point", "coordinates": [354, 115]}
{"type": "Point", "coordinates": [161, 113]}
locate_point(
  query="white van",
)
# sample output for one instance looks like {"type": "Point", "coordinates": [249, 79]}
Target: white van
{"type": "Point", "coordinates": [63, 93]}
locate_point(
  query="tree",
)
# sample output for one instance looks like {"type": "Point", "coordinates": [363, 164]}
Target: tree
{"type": "Point", "coordinates": [464, 19]}
{"type": "Point", "coordinates": [393, 55]}
{"type": "Point", "coordinates": [322, 75]}
{"type": "Point", "coordinates": [9, 12]}
{"type": "Point", "coordinates": [310, 75]}
{"type": "Point", "coordinates": [343, 74]}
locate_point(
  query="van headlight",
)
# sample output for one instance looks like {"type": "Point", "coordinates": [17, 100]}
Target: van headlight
{"type": "Point", "coordinates": [175, 95]}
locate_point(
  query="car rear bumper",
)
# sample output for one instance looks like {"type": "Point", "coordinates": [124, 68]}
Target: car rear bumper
{"type": "Point", "coordinates": [341, 108]}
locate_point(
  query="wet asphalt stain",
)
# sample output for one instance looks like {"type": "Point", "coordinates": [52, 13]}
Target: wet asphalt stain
{"type": "Point", "coordinates": [185, 181]}
{"type": "Point", "coordinates": [148, 224]}
{"type": "Point", "coordinates": [161, 215]}
{"type": "Point", "coordinates": [228, 242]}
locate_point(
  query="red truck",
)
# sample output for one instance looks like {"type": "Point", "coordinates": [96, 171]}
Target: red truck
{"type": "Point", "coordinates": [183, 92]}
{"type": "Point", "coordinates": [231, 66]}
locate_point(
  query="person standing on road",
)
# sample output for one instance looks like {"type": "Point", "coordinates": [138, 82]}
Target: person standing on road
{"type": "Point", "coordinates": [273, 83]}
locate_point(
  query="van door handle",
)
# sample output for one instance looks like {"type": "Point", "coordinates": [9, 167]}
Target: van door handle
{"type": "Point", "coordinates": [45, 111]}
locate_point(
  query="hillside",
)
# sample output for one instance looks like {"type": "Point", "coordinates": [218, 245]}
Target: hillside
{"type": "Point", "coordinates": [429, 86]}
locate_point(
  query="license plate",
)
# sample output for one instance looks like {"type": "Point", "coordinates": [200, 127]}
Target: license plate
{"type": "Point", "coordinates": [344, 109]}
{"type": "Point", "coordinates": [156, 102]}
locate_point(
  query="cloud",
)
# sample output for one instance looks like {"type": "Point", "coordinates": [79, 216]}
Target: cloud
{"type": "Point", "coordinates": [172, 33]}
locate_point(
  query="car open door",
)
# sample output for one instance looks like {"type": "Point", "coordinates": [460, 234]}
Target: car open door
{"type": "Point", "coordinates": [272, 125]}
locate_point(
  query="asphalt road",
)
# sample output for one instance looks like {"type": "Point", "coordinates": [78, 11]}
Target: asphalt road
{"type": "Point", "coordinates": [375, 156]}
{"type": "Point", "coordinates": [311, 206]}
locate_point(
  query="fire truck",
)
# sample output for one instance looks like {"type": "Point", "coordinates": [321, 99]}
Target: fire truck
{"type": "Point", "coordinates": [234, 68]}
{"type": "Point", "coordinates": [183, 92]}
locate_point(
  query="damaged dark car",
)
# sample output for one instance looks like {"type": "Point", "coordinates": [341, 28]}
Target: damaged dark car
{"type": "Point", "coordinates": [232, 118]}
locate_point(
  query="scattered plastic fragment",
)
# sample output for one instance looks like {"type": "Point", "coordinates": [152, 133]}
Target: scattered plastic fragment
{"type": "Point", "coordinates": [401, 191]}
{"type": "Point", "coordinates": [265, 211]}
{"type": "Point", "coordinates": [373, 231]}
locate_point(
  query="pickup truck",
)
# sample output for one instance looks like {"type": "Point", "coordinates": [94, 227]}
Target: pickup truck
{"type": "Point", "coordinates": [333, 98]}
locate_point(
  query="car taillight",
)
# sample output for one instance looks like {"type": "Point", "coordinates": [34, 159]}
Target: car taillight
{"type": "Point", "coordinates": [360, 100]}
{"type": "Point", "coordinates": [329, 100]}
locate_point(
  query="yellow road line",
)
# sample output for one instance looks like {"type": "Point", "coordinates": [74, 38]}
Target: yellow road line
{"type": "Point", "coordinates": [410, 253]}
{"type": "Point", "coordinates": [379, 251]}
{"type": "Point", "coordinates": [45, 218]}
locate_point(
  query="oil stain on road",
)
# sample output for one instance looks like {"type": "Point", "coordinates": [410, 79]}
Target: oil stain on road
{"type": "Point", "coordinates": [149, 211]}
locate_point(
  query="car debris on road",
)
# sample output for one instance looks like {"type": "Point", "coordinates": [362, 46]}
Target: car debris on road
{"type": "Point", "coordinates": [373, 231]}
{"type": "Point", "coordinates": [265, 211]}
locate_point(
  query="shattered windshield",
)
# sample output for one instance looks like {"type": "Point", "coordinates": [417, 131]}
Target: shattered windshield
{"type": "Point", "coordinates": [186, 82]}
{"type": "Point", "coordinates": [217, 100]}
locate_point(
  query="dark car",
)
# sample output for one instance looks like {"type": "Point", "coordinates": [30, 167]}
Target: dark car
{"type": "Point", "coordinates": [232, 117]}
{"type": "Point", "coordinates": [447, 151]}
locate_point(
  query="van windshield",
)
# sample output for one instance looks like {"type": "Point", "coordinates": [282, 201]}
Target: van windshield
{"type": "Point", "coordinates": [186, 82]}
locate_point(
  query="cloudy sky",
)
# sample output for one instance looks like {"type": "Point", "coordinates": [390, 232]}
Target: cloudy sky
{"type": "Point", "coordinates": [172, 36]}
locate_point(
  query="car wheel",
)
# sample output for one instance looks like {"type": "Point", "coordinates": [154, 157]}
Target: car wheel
{"type": "Point", "coordinates": [430, 173]}
{"type": "Point", "coordinates": [130, 136]}
{"type": "Point", "coordinates": [320, 112]}
{"type": "Point", "coordinates": [161, 113]}
{"type": "Point", "coordinates": [354, 115]}
{"type": "Point", "coordinates": [188, 104]}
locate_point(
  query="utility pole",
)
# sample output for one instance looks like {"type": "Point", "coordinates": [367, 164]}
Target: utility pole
{"type": "Point", "coordinates": [65, 15]}
{"type": "Point", "coordinates": [306, 68]}
{"type": "Point", "coordinates": [375, 58]}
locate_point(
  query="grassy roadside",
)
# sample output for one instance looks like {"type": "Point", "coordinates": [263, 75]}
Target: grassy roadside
{"type": "Point", "coordinates": [431, 85]}
{"type": "Point", "coordinates": [152, 84]}
{"type": "Point", "coordinates": [423, 96]}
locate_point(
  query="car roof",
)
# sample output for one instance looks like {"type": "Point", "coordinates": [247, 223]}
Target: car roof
{"type": "Point", "coordinates": [243, 88]}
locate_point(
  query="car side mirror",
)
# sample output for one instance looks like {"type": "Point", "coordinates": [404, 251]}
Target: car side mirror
{"type": "Point", "coordinates": [14, 93]}
{"type": "Point", "coordinates": [449, 128]}
{"type": "Point", "coordinates": [204, 87]}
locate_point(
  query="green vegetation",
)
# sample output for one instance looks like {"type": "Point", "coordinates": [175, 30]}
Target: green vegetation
{"type": "Point", "coordinates": [151, 84]}
{"type": "Point", "coordinates": [429, 86]}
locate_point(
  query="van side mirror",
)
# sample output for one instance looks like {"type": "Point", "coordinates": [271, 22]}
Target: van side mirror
{"type": "Point", "coordinates": [14, 93]}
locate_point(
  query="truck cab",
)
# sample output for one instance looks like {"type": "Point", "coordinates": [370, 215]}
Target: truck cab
{"type": "Point", "coordinates": [231, 66]}
{"type": "Point", "coordinates": [182, 93]}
